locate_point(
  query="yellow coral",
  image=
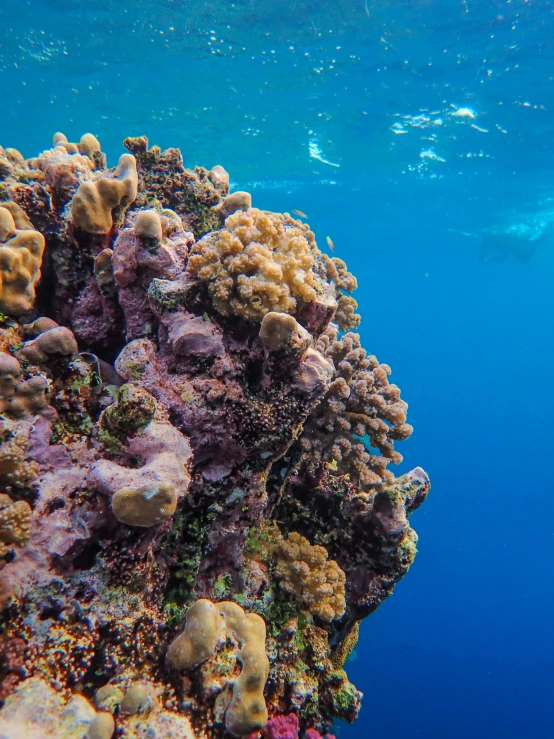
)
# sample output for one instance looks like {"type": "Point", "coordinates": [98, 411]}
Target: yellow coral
{"type": "Point", "coordinates": [247, 711]}
{"type": "Point", "coordinates": [317, 582]}
{"type": "Point", "coordinates": [259, 262]}
{"type": "Point", "coordinates": [15, 523]}
{"type": "Point", "coordinates": [21, 250]}
{"type": "Point", "coordinates": [94, 201]}
{"type": "Point", "coordinates": [145, 506]}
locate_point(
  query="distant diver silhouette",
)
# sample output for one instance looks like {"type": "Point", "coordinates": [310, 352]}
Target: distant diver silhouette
{"type": "Point", "coordinates": [495, 247]}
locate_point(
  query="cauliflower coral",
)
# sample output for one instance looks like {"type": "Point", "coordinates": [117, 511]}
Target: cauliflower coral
{"type": "Point", "coordinates": [259, 262]}
{"type": "Point", "coordinates": [304, 570]}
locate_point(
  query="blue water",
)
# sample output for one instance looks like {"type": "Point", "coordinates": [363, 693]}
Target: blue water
{"type": "Point", "coordinates": [465, 647]}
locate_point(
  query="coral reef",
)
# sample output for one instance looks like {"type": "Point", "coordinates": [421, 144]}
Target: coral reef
{"type": "Point", "coordinates": [197, 507]}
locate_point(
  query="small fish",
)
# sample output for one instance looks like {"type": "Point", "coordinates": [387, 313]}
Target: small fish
{"type": "Point", "coordinates": [300, 213]}
{"type": "Point", "coordinates": [206, 317]}
{"type": "Point", "coordinates": [330, 243]}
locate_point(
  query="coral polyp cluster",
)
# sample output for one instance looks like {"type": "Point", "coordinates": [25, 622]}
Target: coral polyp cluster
{"type": "Point", "coordinates": [197, 506]}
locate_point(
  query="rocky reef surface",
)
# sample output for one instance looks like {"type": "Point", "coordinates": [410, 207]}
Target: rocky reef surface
{"type": "Point", "coordinates": [197, 507]}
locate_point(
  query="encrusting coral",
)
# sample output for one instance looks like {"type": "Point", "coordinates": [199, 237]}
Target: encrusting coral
{"type": "Point", "coordinates": [189, 433]}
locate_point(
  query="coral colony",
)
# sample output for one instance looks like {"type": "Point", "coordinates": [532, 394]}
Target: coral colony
{"type": "Point", "coordinates": [196, 504]}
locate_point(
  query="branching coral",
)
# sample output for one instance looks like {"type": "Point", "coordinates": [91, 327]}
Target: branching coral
{"type": "Point", "coordinates": [15, 523]}
{"type": "Point", "coordinates": [316, 582]}
{"type": "Point", "coordinates": [360, 403]}
{"type": "Point", "coordinates": [247, 710]}
{"type": "Point", "coordinates": [259, 262]}
{"type": "Point", "coordinates": [344, 281]}
{"type": "Point", "coordinates": [21, 250]}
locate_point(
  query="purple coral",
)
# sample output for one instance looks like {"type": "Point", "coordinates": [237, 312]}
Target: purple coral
{"type": "Point", "coordinates": [282, 727]}
{"type": "Point", "coordinates": [287, 727]}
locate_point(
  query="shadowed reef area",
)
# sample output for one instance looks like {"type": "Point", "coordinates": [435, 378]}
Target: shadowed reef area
{"type": "Point", "coordinates": [197, 506]}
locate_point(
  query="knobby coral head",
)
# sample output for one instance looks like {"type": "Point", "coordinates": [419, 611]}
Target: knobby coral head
{"type": "Point", "coordinates": [197, 503]}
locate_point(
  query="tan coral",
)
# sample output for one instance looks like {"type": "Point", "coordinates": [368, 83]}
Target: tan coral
{"type": "Point", "coordinates": [88, 145]}
{"type": "Point", "coordinates": [317, 582]}
{"type": "Point", "coordinates": [259, 262]}
{"type": "Point", "coordinates": [103, 272]}
{"type": "Point", "coordinates": [235, 201]}
{"type": "Point", "coordinates": [148, 225]}
{"type": "Point", "coordinates": [199, 639]}
{"type": "Point", "coordinates": [102, 726]}
{"type": "Point", "coordinates": [360, 402]}
{"type": "Point", "coordinates": [54, 342]}
{"type": "Point", "coordinates": [95, 200]}
{"type": "Point", "coordinates": [145, 506]}
{"type": "Point", "coordinates": [21, 250]}
{"type": "Point", "coordinates": [344, 281]}
{"type": "Point", "coordinates": [280, 331]}
{"type": "Point", "coordinates": [20, 398]}
{"type": "Point", "coordinates": [219, 176]}
{"type": "Point", "coordinates": [247, 711]}
{"type": "Point", "coordinates": [38, 326]}
{"type": "Point", "coordinates": [15, 523]}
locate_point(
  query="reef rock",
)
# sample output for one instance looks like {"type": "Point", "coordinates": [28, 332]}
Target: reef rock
{"type": "Point", "coordinates": [197, 501]}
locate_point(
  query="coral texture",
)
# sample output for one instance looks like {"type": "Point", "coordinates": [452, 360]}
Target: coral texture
{"type": "Point", "coordinates": [304, 571]}
{"type": "Point", "coordinates": [259, 262]}
{"type": "Point", "coordinates": [93, 203]}
{"type": "Point", "coordinates": [21, 249]}
{"type": "Point", "coordinates": [205, 620]}
{"type": "Point", "coordinates": [197, 504]}
{"type": "Point", "coordinates": [15, 523]}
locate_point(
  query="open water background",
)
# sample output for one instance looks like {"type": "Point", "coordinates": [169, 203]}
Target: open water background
{"type": "Point", "coordinates": [465, 647]}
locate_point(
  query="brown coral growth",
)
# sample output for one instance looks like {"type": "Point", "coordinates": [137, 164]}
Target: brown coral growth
{"type": "Point", "coordinates": [304, 571]}
{"type": "Point", "coordinates": [259, 262]}
{"type": "Point", "coordinates": [15, 523]}
{"type": "Point", "coordinates": [360, 403]}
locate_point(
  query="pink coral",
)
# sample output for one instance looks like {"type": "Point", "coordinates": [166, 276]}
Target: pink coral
{"type": "Point", "coordinates": [313, 734]}
{"type": "Point", "coordinates": [287, 727]}
{"type": "Point", "coordinates": [281, 727]}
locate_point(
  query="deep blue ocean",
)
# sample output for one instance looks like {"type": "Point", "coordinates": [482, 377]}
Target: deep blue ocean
{"type": "Point", "coordinates": [419, 136]}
